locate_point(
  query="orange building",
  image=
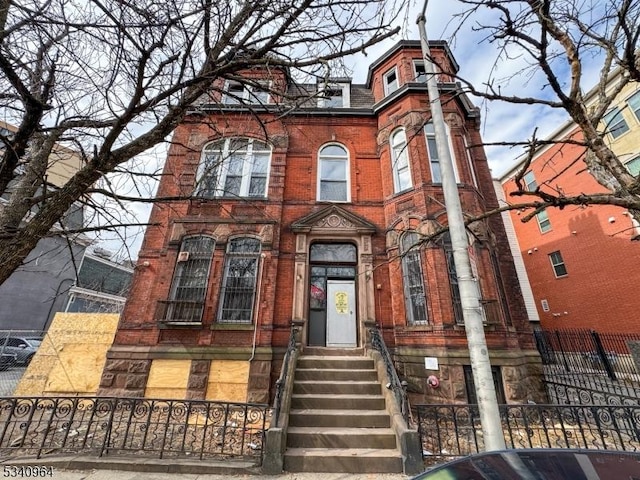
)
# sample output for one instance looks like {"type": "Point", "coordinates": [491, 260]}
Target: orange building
{"type": "Point", "coordinates": [581, 264]}
{"type": "Point", "coordinates": [309, 218]}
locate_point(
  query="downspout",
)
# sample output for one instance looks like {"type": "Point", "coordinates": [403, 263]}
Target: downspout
{"type": "Point", "coordinates": [256, 303]}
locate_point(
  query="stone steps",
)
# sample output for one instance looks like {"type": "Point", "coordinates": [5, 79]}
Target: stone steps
{"type": "Point", "coordinates": [338, 420]}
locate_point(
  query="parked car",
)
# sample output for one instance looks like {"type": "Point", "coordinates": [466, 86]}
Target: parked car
{"type": "Point", "coordinates": [24, 348]}
{"type": "Point", "coordinates": [7, 360]}
{"type": "Point", "coordinates": [540, 464]}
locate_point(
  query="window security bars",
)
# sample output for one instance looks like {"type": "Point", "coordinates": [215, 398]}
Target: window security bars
{"type": "Point", "coordinates": [239, 283]}
{"type": "Point", "coordinates": [413, 280]}
{"type": "Point", "coordinates": [452, 430]}
{"type": "Point", "coordinates": [166, 428]}
{"type": "Point", "coordinates": [189, 284]}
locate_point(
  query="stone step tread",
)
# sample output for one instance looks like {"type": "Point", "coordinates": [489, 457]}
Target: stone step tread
{"type": "Point", "coordinates": [343, 452]}
{"type": "Point", "coordinates": [342, 431]}
{"type": "Point", "coordinates": [346, 412]}
{"type": "Point", "coordinates": [360, 370]}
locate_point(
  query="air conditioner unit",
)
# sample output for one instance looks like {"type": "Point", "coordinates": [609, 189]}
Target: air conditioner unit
{"type": "Point", "coordinates": [183, 257]}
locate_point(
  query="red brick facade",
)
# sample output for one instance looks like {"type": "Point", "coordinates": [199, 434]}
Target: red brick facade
{"type": "Point", "coordinates": [602, 263]}
{"type": "Point", "coordinates": [291, 219]}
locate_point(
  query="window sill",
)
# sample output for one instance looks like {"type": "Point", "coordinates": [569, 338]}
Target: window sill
{"type": "Point", "coordinates": [232, 326]}
{"type": "Point", "coordinates": [178, 324]}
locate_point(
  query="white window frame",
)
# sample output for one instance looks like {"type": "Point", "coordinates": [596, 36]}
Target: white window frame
{"type": "Point", "coordinates": [629, 162]}
{"type": "Point", "coordinates": [635, 97]}
{"type": "Point", "coordinates": [385, 81]}
{"type": "Point", "coordinates": [400, 151]}
{"type": "Point", "coordinates": [344, 88]}
{"type": "Point", "coordinates": [347, 179]}
{"type": "Point", "coordinates": [613, 128]}
{"type": "Point", "coordinates": [558, 264]}
{"type": "Point", "coordinates": [421, 78]}
{"type": "Point", "coordinates": [544, 224]}
{"type": "Point", "coordinates": [528, 182]}
{"type": "Point", "coordinates": [221, 170]}
{"type": "Point", "coordinates": [246, 96]}
{"type": "Point", "coordinates": [431, 154]}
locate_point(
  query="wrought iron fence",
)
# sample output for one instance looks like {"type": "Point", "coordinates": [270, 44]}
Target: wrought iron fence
{"type": "Point", "coordinates": [454, 430]}
{"type": "Point", "coordinates": [284, 373]}
{"type": "Point", "coordinates": [579, 352]}
{"type": "Point", "coordinates": [399, 388]}
{"type": "Point", "coordinates": [591, 393]}
{"type": "Point", "coordinates": [168, 428]}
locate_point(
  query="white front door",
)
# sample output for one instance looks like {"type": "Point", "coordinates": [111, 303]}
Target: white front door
{"type": "Point", "coordinates": [341, 313]}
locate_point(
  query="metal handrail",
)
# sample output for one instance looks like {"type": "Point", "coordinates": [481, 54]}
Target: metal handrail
{"type": "Point", "coordinates": [282, 380]}
{"type": "Point", "coordinates": [398, 387]}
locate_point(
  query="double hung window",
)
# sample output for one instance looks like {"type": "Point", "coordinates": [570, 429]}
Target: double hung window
{"type": "Point", "coordinates": [333, 178]}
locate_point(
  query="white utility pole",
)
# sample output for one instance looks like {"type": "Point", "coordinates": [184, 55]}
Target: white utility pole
{"type": "Point", "coordinates": [469, 290]}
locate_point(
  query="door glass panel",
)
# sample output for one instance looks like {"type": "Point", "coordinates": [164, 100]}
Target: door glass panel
{"type": "Point", "coordinates": [341, 272]}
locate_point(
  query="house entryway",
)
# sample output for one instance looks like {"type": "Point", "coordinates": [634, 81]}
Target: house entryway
{"type": "Point", "coordinates": [332, 295]}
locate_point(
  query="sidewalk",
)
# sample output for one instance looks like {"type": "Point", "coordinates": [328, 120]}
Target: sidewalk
{"type": "Point", "coordinates": [134, 468]}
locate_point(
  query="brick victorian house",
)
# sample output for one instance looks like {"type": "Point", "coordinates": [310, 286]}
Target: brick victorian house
{"type": "Point", "coordinates": [310, 217]}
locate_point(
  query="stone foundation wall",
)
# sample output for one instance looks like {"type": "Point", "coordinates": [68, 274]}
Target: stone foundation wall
{"type": "Point", "coordinates": [521, 372]}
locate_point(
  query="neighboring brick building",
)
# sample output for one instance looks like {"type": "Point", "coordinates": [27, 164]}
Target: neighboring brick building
{"type": "Point", "coordinates": [302, 217]}
{"type": "Point", "coordinates": [582, 266]}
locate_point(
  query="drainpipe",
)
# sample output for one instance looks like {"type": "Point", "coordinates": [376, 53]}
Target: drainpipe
{"type": "Point", "coordinates": [256, 305]}
{"type": "Point", "coordinates": [469, 292]}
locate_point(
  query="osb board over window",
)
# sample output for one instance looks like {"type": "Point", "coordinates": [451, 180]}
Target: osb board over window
{"type": "Point", "coordinates": [71, 357]}
{"type": "Point", "coordinates": [168, 379]}
{"type": "Point", "coordinates": [228, 380]}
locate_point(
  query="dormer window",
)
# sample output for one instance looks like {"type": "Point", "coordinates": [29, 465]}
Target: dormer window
{"type": "Point", "coordinates": [419, 71]}
{"type": "Point", "coordinates": [237, 93]}
{"type": "Point", "coordinates": [334, 95]}
{"type": "Point", "coordinates": [390, 80]}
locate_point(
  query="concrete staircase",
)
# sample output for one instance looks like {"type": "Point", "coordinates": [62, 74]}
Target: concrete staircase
{"type": "Point", "coordinates": [338, 421]}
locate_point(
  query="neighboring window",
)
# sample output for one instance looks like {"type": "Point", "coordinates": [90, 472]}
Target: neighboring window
{"type": "Point", "coordinates": [456, 300]}
{"type": "Point", "coordinates": [239, 282]}
{"type": "Point", "coordinates": [615, 123]}
{"type": "Point", "coordinates": [333, 175]}
{"type": "Point", "coordinates": [390, 80]}
{"type": "Point", "coordinates": [530, 183]}
{"type": "Point", "coordinates": [543, 221]}
{"type": "Point", "coordinates": [400, 159]}
{"type": "Point", "coordinates": [633, 166]}
{"type": "Point", "coordinates": [557, 263]}
{"type": "Point", "coordinates": [238, 93]}
{"type": "Point", "coordinates": [434, 158]}
{"type": "Point", "coordinates": [413, 281]}
{"type": "Point", "coordinates": [190, 279]}
{"type": "Point", "coordinates": [634, 103]}
{"type": "Point", "coordinates": [420, 73]}
{"type": "Point", "coordinates": [236, 167]}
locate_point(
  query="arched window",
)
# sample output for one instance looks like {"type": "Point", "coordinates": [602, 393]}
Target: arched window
{"type": "Point", "coordinates": [434, 158]}
{"type": "Point", "coordinates": [413, 280]}
{"type": "Point", "coordinates": [239, 282]}
{"type": "Point", "coordinates": [190, 280]}
{"type": "Point", "coordinates": [234, 167]}
{"type": "Point", "coordinates": [333, 174]}
{"type": "Point", "coordinates": [400, 159]}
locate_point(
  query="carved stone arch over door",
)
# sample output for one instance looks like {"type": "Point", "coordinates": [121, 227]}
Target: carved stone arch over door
{"type": "Point", "coordinates": [334, 224]}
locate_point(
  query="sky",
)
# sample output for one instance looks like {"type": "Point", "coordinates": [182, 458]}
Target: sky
{"type": "Point", "coordinates": [501, 122]}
